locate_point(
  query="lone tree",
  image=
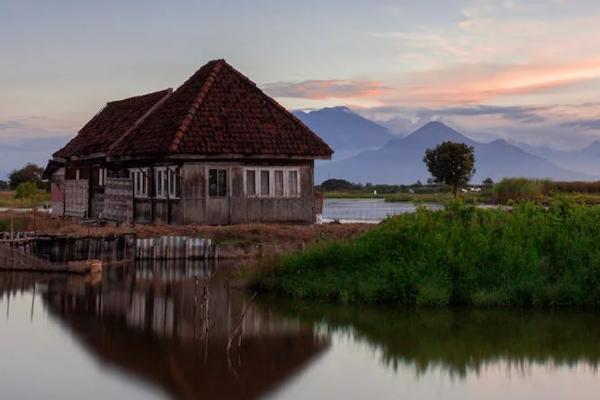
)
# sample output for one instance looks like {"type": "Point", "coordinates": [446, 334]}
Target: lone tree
{"type": "Point", "coordinates": [451, 163]}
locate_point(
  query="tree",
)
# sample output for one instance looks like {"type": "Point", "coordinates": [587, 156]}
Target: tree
{"type": "Point", "coordinates": [29, 173]}
{"type": "Point", "coordinates": [331, 185]}
{"type": "Point", "coordinates": [451, 163]}
{"type": "Point", "coordinates": [488, 182]}
{"type": "Point", "coordinates": [4, 185]}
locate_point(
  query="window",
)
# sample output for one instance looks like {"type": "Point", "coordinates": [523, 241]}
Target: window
{"type": "Point", "coordinates": [159, 183]}
{"type": "Point", "coordinates": [140, 181]}
{"type": "Point", "coordinates": [265, 183]}
{"type": "Point", "coordinates": [217, 182]}
{"type": "Point", "coordinates": [102, 174]}
{"type": "Point", "coordinates": [251, 182]}
{"type": "Point", "coordinates": [292, 185]}
{"type": "Point", "coordinates": [277, 182]}
{"type": "Point", "coordinates": [166, 182]}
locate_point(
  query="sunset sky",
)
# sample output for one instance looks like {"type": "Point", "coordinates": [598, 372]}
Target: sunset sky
{"type": "Point", "coordinates": [523, 70]}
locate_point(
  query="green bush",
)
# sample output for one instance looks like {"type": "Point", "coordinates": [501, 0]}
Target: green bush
{"type": "Point", "coordinates": [26, 190]}
{"type": "Point", "coordinates": [529, 256]}
{"type": "Point", "coordinates": [518, 190]}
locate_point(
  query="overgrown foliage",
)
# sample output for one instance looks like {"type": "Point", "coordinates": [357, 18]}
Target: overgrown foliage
{"type": "Point", "coordinates": [518, 190]}
{"type": "Point", "coordinates": [463, 255]}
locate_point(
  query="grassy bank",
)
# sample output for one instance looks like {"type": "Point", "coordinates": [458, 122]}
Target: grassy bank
{"type": "Point", "coordinates": [9, 200]}
{"type": "Point", "coordinates": [530, 256]}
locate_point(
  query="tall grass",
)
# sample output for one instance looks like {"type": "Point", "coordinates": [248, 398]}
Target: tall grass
{"type": "Point", "coordinates": [518, 189]}
{"type": "Point", "coordinates": [530, 256]}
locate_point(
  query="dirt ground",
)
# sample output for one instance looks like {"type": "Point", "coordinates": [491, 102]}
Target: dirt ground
{"type": "Point", "coordinates": [234, 240]}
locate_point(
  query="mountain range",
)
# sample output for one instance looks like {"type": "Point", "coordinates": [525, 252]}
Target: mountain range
{"type": "Point", "coordinates": [400, 159]}
{"type": "Point", "coordinates": [344, 130]}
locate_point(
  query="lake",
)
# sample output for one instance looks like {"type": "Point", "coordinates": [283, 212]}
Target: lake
{"type": "Point", "coordinates": [366, 210]}
{"type": "Point", "coordinates": [184, 331]}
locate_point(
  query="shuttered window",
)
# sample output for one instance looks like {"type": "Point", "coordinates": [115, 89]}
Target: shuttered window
{"type": "Point", "coordinates": [265, 184]}
{"type": "Point", "coordinates": [279, 183]}
{"type": "Point", "coordinates": [292, 183]}
{"type": "Point", "coordinates": [217, 182]}
{"type": "Point", "coordinates": [251, 183]}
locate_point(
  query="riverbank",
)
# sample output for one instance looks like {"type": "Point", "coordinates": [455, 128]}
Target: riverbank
{"type": "Point", "coordinates": [463, 255]}
{"type": "Point", "coordinates": [249, 240]}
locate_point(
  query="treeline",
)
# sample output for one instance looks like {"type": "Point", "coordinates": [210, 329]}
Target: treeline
{"type": "Point", "coordinates": [341, 185]}
{"type": "Point", "coordinates": [30, 174]}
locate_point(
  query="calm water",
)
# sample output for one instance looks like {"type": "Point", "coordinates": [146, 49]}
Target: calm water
{"type": "Point", "coordinates": [150, 332]}
{"type": "Point", "coordinates": [365, 209]}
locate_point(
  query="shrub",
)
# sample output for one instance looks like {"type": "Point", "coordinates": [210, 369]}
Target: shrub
{"type": "Point", "coordinates": [26, 190]}
{"type": "Point", "coordinates": [573, 187]}
{"type": "Point", "coordinates": [518, 190]}
{"type": "Point", "coordinates": [529, 256]}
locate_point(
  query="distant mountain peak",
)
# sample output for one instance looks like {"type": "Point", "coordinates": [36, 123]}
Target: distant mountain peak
{"type": "Point", "coordinates": [435, 125]}
{"type": "Point", "coordinates": [346, 131]}
{"type": "Point", "coordinates": [432, 134]}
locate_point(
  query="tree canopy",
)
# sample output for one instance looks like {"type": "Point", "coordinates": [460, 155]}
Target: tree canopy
{"type": "Point", "coordinates": [29, 173]}
{"type": "Point", "coordinates": [451, 163]}
{"type": "Point", "coordinates": [338, 184]}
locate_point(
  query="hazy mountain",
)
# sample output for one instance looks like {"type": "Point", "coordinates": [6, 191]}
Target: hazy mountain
{"type": "Point", "coordinates": [585, 160]}
{"type": "Point", "coordinates": [401, 160]}
{"type": "Point", "coordinates": [344, 130]}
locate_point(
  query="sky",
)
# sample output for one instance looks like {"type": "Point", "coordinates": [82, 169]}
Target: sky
{"type": "Point", "coordinates": [525, 71]}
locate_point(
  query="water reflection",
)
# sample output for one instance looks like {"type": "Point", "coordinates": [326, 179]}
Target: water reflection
{"type": "Point", "coordinates": [464, 341]}
{"type": "Point", "coordinates": [185, 331]}
{"type": "Point", "coordinates": [179, 326]}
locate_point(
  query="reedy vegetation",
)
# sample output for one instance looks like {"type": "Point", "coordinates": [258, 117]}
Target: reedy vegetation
{"type": "Point", "coordinates": [463, 255]}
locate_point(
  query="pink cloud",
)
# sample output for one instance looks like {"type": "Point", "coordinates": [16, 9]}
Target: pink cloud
{"type": "Point", "coordinates": [326, 89]}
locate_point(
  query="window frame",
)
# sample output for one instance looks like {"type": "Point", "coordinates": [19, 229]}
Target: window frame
{"type": "Point", "coordinates": [167, 179]}
{"type": "Point", "coordinates": [102, 175]}
{"type": "Point", "coordinates": [271, 170]}
{"type": "Point", "coordinates": [139, 176]}
{"type": "Point", "coordinates": [218, 170]}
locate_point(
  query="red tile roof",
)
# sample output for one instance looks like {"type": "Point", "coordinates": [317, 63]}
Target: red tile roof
{"type": "Point", "coordinates": [218, 111]}
{"type": "Point", "coordinates": [110, 125]}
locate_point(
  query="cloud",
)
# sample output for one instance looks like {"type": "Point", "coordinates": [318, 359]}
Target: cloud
{"type": "Point", "coordinates": [590, 124]}
{"type": "Point", "coordinates": [11, 125]}
{"type": "Point", "coordinates": [324, 89]}
{"type": "Point", "coordinates": [514, 113]}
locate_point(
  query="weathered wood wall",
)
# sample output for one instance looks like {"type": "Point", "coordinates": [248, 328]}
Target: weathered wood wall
{"type": "Point", "coordinates": [76, 198]}
{"type": "Point", "coordinates": [57, 186]}
{"type": "Point", "coordinates": [118, 199]}
{"type": "Point", "coordinates": [236, 208]}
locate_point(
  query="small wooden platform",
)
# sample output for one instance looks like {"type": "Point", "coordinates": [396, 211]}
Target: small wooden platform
{"type": "Point", "coordinates": [15, 259]}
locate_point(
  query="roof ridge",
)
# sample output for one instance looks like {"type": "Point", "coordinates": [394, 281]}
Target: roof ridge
{"type": "Point", "coordinates": [187, 120]}
{"type": "Point", "coordinates": [276, 104]}
{"type": "Point", "coordinates": [139, 96]}
{"type": "Point", "coordinates": [167, 94]}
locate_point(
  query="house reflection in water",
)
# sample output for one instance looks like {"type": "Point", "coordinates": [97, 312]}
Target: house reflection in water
{"type": "Point", "coordinates": [171, 325]}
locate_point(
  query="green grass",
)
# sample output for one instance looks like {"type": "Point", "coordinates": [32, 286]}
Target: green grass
{"type": "Point", "coordinates": [529, 256]}
{"type": "Point", "coordinates": [8, 200]}
{"type": "Point", "coordinates": [350, 195]}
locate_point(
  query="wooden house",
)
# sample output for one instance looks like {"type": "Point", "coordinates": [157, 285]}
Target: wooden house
{"type": "Point", "coordinates": [217, 150]}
